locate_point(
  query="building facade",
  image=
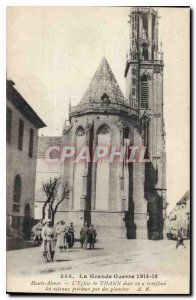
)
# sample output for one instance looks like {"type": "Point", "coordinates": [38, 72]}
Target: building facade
{"type": "Point", "coordinates": [21, 137]}
{"type": "Point", "coordinates": [179, 218]}
{"type": "Point", "coordinates": [121, 198]}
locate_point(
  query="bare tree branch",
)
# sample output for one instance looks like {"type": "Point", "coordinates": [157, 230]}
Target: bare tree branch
{"type": "Point", "coordinates": [51, 189]}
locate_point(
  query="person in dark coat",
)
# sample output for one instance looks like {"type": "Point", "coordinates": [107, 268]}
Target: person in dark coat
{"type": "Point", "coordinates": [180, 240]}
{"type": "Point", "coordinates": [93, 231]}
{"type": "Point", "coordinates": [84, 235]}
{"type": "Point", "coordinates": [70, 232]}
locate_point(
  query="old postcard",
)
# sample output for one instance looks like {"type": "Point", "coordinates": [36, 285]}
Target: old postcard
{"type": "Point", "coordinates": [98, 187]}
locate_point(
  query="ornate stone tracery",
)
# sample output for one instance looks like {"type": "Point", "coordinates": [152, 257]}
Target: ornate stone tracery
{"type": "Point", "coordinates": [80, 131]}
{"type": "Point", "coordinates": [104, 129]}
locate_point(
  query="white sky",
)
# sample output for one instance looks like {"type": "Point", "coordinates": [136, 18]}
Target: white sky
{"type": "Point", "coordinates": [53, 52]}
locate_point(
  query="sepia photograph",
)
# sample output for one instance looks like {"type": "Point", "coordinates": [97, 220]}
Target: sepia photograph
{"type": "Point", "coordinates": [98, 150]}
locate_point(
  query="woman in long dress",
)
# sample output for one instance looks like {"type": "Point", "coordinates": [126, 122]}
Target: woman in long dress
{"type": "Point", "coordinates": [60, 235]}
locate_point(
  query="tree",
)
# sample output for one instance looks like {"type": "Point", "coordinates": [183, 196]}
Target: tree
{"type": "Point", "coordinates": [54, 197]}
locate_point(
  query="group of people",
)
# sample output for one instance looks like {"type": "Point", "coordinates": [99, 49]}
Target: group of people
{"type": "Point", "coordinates": [64, 236]}
{"type": "Point", "coordinates": [88, 235]}
{"type": "Point", "coordinates": [60, 237]}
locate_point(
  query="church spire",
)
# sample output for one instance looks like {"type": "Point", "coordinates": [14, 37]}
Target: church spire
{"type": "Point", "coordinates": [143, 33]}
{"type": "Point", "coordinates": [103, 86]}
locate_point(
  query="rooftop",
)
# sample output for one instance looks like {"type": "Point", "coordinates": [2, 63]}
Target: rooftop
{"type": "Point", "coordinates": [184, 199]}
{"type": "Point", "coordinates": [103, 87]}
{"type": "Point", "coordinates": [21, 104]}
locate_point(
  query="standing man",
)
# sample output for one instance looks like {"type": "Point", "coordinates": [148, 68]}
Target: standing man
{"type": "Point", "coordinates": [180, 240]}
{"type": "Point", "coordinates": [71, 232]}
{"type": "Point", "coordinates": [84, 235]}
{"type": "Point", "coordinates": [94, 232]}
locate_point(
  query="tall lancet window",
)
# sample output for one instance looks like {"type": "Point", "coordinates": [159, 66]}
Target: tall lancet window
{"type": "Point", "coordinates": [103, 169]}
{"type": "Point", "coordinates": [126, 167]}
{"type": "Point", "coordinates": [79, 169]}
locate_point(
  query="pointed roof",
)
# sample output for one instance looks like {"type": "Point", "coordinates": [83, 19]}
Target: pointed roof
{"type": "Point", "coordinates": [184, 199]}
{"type": "Point", "coordinates": [103, 84]}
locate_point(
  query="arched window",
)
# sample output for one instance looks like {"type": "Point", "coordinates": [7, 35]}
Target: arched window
{"type": "Point", "coordinates": [17, 194]}
{"type": "Point", "coordinates": [103, 129]}
{"type": "Point", "coordinates": [80, 131]}
{"type": "Point", "coordinates": [126, 133]}
{"type": "Point", "coordinates": [145, 52]}
{"type": "Point", "coordinates": [103, 171]}
{"type": "Point", "coordinates": [79, 168]}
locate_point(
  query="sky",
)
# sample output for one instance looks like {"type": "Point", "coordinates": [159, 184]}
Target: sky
{"type": "Point", "coordinates": [53, 52]}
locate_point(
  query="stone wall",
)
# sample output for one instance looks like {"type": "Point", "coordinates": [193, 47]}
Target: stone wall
{"type": "Point", "coordinates": [19, 163]}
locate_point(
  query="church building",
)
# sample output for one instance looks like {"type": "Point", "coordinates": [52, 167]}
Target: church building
{"type": "Point", "coordinates": [122, 199]}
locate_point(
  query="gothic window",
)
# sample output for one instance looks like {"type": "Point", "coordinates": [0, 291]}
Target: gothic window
{"type": "Point", "coordinates": [145, 52]}
{"type": "Point", "coordinates": [145, 91]}
{"type": "Point", "coordinates": [17, 194]}
{"type": "Point", "coordinates": [146, 133]}
{"type": "Point", "coordinates": [133, 91]}
{"type": "Point", "coordinates": [126, 133]}
{"type": "Point", "coordinates": [103, 171]}
{"type": "Point", "coordinates": [20, 134]}
{"type": "Point", "coordinates": [80, 131]}
{"type": "Point", "coordinates": [8, 125]}
{"type": "Point", "coordinates": [145, 26]}
{"type": "Point", "coordinates": [153, 26]}
{"type": "Point", "coordinates": [104, 129]}
{"type": "Point", "coordinates": [79, 168]}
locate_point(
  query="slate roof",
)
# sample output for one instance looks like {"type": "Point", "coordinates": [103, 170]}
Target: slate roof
{"type": "Point", "coordinates": [184, 199]}
{"type": "Point", "coordinates": [21, 104]}
{"type": "Point", "coordinates": [103, 82]}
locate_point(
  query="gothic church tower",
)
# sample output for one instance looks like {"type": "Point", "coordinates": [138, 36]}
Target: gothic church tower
{"type": "Point", "coordinates": [144, 91]}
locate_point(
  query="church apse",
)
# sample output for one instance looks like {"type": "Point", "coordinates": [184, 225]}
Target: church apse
{"type": "Point", "coordinates": [122, 198]}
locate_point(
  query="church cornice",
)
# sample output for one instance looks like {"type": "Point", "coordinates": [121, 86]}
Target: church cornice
{"type": "Point", "coordinates": [96, 107]}
{"type": "Point", "coordinates": [155, 65]}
